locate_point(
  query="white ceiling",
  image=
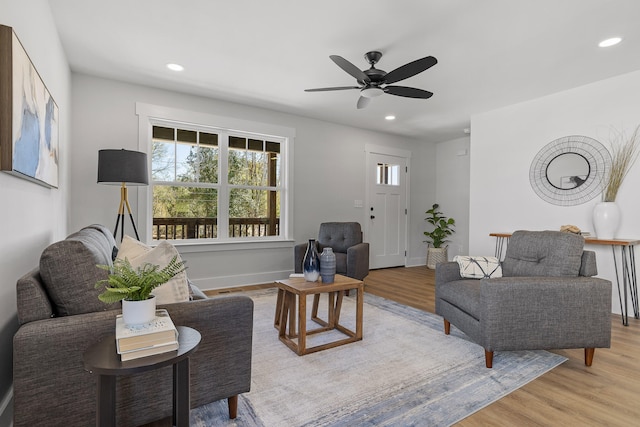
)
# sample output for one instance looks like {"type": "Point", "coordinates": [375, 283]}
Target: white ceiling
{"type": "Point", "coordinates": [264, 53]}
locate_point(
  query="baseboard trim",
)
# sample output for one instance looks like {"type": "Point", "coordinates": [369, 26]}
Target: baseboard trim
{"type": "Point", "coordinates": [415, 262]}
{"type": "Point", "coordinates": [221, 282]}
{"type": "Point", "coordinates": [6, 409]}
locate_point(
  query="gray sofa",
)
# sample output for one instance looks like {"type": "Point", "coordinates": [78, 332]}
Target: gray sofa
{"type": "Point", "coordinates": [546, 298]}
{"type": "Point", "coordinates": [60, 316]}
{"type": "Point", "coordinates": [345, 238]}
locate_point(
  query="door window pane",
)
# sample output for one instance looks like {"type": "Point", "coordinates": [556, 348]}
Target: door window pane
{"type": "Point", "coordinates": [387, 174]}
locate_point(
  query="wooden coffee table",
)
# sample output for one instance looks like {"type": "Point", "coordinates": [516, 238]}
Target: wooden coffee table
{"type": "Point", "coordinates": [290, 289]}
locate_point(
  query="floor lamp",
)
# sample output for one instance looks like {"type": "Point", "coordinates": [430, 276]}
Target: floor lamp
{"type": "Point", "coordinates": [122, 167]}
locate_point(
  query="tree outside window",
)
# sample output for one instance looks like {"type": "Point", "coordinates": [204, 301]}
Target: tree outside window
{"type": "Point", "coordinates": [192, 201]}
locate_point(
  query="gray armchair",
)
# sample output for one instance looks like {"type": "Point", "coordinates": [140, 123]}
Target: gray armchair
{"type": "Point", "coordinates": [345, 238]}
{"type": "Point", "coordinates": [546, 298]}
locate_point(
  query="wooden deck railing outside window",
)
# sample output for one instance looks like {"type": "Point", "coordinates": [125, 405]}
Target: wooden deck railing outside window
{"type": "Point", "coordinates": [207, 228]}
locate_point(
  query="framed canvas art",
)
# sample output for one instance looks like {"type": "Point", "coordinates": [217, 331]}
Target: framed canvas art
{"type": "Point", "coordinates": [29, 116]}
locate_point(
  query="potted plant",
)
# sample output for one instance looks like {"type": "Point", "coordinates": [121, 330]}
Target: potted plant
{"type": "Point", "coordinates": [133, 286]}
{"type": "Point", "coordinates": [442, 228]}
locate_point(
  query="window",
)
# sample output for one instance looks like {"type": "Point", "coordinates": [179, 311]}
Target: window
{"type": "Point", "coordinates": [387, 174]}
{"type": "Point", "coordinates": [213, 183]}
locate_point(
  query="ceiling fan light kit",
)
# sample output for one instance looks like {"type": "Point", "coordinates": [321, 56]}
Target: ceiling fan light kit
{"type": "Point", "coordinates": [374, 82]}
{"type": "Point", "coordinates": [371, 92]}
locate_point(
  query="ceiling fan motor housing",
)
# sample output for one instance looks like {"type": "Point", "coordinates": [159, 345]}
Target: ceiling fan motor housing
{"type": "Point", "coordinates": [373, 57]}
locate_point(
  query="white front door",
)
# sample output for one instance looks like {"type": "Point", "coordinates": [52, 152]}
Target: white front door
{"type": "Point", "coordinates": [387, 209]}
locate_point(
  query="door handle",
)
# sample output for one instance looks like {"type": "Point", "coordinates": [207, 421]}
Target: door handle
{"type": "Point", "coordinates": [372, 216]}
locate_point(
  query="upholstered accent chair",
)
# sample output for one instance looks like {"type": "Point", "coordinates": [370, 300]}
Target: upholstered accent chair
{"type": "Point", "coordinates": [546, 299]}
{"type": "Point", "coordinates": [345, 238]}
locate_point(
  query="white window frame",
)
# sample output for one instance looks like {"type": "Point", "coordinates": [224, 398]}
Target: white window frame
{"type": "Point", "coordinates": [150, 115]}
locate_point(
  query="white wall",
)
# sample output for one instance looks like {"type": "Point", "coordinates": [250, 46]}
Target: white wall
{"type": "Point", "coordinates": [32, 216]}
{"type": "Point", "coordinates": [505, 141]}
{"type": "Point", "coordinates": [452, 190]}
{"type": "Point", "coordinates": [329, 173]}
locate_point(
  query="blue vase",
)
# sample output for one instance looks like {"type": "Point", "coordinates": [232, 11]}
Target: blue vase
{"type": "Point", "coordinates": [311, 263]}
{"type": "Point", "coordinates": [328, 265]}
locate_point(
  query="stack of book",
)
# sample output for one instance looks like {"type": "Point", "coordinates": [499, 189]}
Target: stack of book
{"type": "Point", "coordinates": [159, 336]}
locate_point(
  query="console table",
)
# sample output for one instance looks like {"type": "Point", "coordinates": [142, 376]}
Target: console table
{"type": "Point", "coordinates": [624, 265]}
{"type": "Point", "coordinates": [102, 358]}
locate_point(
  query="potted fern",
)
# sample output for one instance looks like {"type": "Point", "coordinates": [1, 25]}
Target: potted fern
{"type": "Point", "coordinates": [133, 286]}
{"type": "Point", "coordinates": [442, 229]}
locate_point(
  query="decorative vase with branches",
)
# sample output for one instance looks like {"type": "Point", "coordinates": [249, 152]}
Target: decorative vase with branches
{"type": "Point", "coordinates": [624, 153]}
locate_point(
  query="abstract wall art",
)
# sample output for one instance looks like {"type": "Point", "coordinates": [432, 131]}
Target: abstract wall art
{"type": "Point", "coordinates": [29, 117]}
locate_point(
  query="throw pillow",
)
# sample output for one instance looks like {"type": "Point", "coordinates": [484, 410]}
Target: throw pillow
{"type": "Point", "coordinates": [176, 289]}
{"type": "Point", "coordinates": [69, 273]}
{"type": "Point", "coordinates": [478, 267]}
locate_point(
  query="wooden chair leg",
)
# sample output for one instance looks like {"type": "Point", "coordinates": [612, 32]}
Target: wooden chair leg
{"type": "Point", "coordinates": [488, 358]}
{"type": "Point", "coordinates": [588, 356]}
{"type": "Point", "coordinates": [447, 327]}
{"type": "Point", "coordinates": [233, 407]}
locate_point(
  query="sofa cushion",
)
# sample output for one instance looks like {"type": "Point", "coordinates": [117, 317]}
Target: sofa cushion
{"type": "Point", "coordinates": [543, 253]}
{"type": "Point", "coordinates": [69, 273]}
{"type": "Point", "coordinates": [176, 289]}
{"type": "Point", "coordinates": [478, 267]}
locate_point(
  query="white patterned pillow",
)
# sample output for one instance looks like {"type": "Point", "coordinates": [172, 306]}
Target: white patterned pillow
{"type": "Point", "coordinates": [478, 267]}
{"type": "Point", "coordinates": [176, 289]}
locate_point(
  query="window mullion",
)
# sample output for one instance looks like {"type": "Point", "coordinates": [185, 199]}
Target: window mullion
{"type": "Point", "coordinates": [223, 195]}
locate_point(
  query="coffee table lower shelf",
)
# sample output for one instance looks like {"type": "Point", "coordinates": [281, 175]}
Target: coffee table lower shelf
{"type": "Point", "coordinates": [292, 296]}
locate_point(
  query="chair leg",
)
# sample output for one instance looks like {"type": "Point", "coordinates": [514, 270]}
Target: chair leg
{"type": "Point", "coordinates": [588, 356]}
{"type": "Point", "coordinates": [233, 407]}
{"type": "Point", "coordinates": [488, 358]}
{"type": "Point", "coordinates": [447, 327]}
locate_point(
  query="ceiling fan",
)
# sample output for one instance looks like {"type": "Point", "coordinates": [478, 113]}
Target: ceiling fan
{"type": "Point", "coordinates": [374, 82]}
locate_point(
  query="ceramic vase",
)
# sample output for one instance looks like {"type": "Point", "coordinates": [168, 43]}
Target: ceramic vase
{"type": "Point", "coordinates": [606, 219]}
{"type": "Point", "coordinates": [137, 313]}
{"type": "Point", "coordinates": [328, 265]}
{"type": "Point", "coordinates": [311, 263]}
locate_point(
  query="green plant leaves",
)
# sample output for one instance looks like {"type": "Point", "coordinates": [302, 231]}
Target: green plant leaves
{"type": "Point", "coordinates": [135, 284]}
{"type": "Point", "coordinates": [443, 226]}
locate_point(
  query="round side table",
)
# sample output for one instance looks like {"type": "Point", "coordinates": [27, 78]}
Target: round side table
{"type": "Point", "coordinates": [102, 358]}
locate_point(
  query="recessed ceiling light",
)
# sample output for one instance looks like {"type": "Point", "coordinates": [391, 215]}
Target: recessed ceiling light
{"type": "Point", "coordinates": [610, 42]}
{"type": "Point", "coordinates": [390, 117]}
{"type": "Point", "coordinates": [175, 67]}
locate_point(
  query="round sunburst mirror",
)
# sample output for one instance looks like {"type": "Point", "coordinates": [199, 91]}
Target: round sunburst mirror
{"type": "Point", "coordinates": [570, 170]}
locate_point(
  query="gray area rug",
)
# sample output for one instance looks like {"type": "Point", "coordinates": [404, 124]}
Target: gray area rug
{"type": "Point", "coordinates": [405, 372]}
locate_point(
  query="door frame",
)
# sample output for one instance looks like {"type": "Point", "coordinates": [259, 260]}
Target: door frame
{"type": "Point", "coordinates": [395, 152]}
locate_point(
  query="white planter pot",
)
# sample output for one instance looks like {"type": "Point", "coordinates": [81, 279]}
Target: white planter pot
{"type": "Point", "coordinates": [436, 256]}
{"type": "Point", "coordinates": [606, 219]}
{"type": "Point", "coordinates": [135, 313]}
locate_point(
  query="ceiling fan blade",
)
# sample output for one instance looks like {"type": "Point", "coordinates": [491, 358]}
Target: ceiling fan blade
{"type": "Point", "coordinates": [410, 69]}
{"type": "Point", "coordinates": [363, 102]}
{"type": "Point", "coordinates": [350, 68]}
{"type": "Point", "coordinates": [408, 92]}
{"type": "Point", "coordinates": [323, 89]}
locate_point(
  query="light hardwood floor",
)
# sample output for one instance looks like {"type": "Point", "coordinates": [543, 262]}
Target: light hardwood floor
{"type": "Point", "coordinates": [605, 394]}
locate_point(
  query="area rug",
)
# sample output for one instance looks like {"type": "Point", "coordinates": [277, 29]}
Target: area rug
{"type": "Point", "coordinates": [405, 372]}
